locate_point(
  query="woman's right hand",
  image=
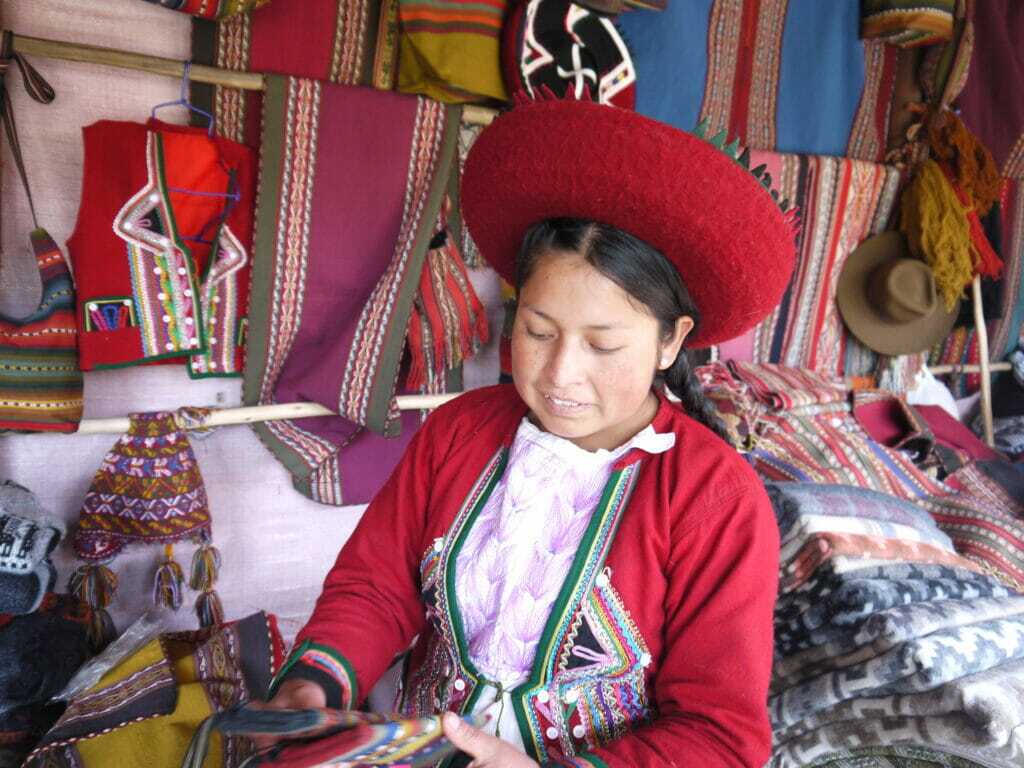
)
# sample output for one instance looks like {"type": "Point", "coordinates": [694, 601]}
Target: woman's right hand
{"type": "Point", "coordinates": [293, 694]}
{"type": "Point", "coordinates": [298, 694]}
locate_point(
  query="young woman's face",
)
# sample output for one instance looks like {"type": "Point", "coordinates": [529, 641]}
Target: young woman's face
{"type": "Point", "coordinates": [584, 354]}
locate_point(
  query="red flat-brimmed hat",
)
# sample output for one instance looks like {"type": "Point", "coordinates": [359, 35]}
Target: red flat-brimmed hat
{"type": "Point", "coordinates": [695, 202]}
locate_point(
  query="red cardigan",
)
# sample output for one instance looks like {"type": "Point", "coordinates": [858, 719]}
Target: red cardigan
{"type": "Point", "coordinates": [658, 650]}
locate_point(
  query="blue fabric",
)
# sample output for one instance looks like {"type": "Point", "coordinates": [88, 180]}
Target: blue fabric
{"type": "Point", "coordinates": [821, 77]}
{"type": "Point", "coordinates": [670, 53]}
{"type": "Point", "coordinates": [821, 70]}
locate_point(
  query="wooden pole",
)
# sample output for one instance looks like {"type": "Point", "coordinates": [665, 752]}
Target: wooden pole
{"type": "Point", "coordinates": [986, 373]}
{"type": "Point", "coordinates": [942, 370]}
{"type": "Point", "coordinates": [252, 414]}
{"type": "Point", "coordinates": [249, 81]}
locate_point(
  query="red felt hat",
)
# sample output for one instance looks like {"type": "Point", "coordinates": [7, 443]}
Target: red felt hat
{"type": "Point", "coordinates": [697, 204]}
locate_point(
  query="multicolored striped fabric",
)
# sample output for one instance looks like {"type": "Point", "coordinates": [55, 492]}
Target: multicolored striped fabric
{"type": "Point", "coordinates": [783, 388]}
{"type": "Point", "coordinates": [40, 382]}
{"type": "Point", "coordinates": [314, 737]}
{"type": "Point", "coordinates": [211, 9]}
{"type": "Point", "coordinates": [841, 202]}
{"type": "Point", "coordinates": [449, 49]}
{"type": "Point", "coordinates": [349, 42]}
{"type": "Point", "coordinates": [908, 23]}
{"type": "Point", "coordinates": [752, 67]}
{"type": "Point", "coordinates": [985, 524]}
{"type": "Point", "coordinates": [832, 448]}
{"type": "Point", "coordinates": [353, 180]}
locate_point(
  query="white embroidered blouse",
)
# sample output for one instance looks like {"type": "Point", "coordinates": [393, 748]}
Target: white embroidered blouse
{"type": "Point", "coordinates": [522, 544]}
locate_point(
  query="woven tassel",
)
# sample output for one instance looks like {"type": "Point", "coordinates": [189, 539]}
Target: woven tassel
{"type": "Point", "coordinates": [95, 586]}
{"type": "Point", "coordinates": [209, 609]}
{"type": "Point", "coordinates": [169, 581]}
{"type": "Point", "coordinates": [937, 230]}
{"type": "Point", "coordinates": [986, 260]}
{"type": "Point", "coordinates": [973, 168]}
{"type": "Point", "coordinates": [205, 567]}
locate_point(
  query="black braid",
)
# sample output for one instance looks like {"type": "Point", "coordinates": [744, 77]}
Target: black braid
{"type": "Point", "coordinates": [684, 384]}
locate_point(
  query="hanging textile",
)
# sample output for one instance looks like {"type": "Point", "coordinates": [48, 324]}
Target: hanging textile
{"type": "Point", "coordinates": [449, 50]}
{"type": "Point", "coordinates": [753, 67]}
{"type": "Point", "coordinates": [354, 180]}
{"type": "Point", "coordinates": [211, 9]}
{"type": "Point", "coordinates": [40, 381]}
{"type": "Point", "coordinates": [841, 203]}
{"type": "Point", "coordinates": [161, 247]}
{"type": "Point", "coordinates": [569, 49]}
{"type": "Point", "coordinates": [145, 709]}
{"type": "Point", "coordinates": [349, 42]}
{"type": "Point", "coordinates": [997, 58]}
{"type": "Point", "coordinates": [908, 26]}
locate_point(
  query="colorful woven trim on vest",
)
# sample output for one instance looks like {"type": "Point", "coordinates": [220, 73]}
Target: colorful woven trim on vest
{"type": "Point", "coordinates": [1006, 325]}
{"type": "Point", "coordinates": [145, 709]}
{"type": "Point", "coordinates": [324, 665]}
{"type": "Point", "coordinates": [450, 50]}
{"type": "Point", "coordinates": [211, 9]}
{"type": "Point", "coordinates": [327, 149]}
{"type": "Point", "coordinates": [179, 206]}
{"type": "Point", "coordinates": [997, 58]}
{"type": "Point", "coordinates": [908, 23]}
{"type": "Point", "coordinates": [347, 42]}
{"type": "Point", "coordinates": [750, 67]}
{"type": "Point", "coordinates": [841, 203]}
{"type": "Point", "coordinates": [40, 382]}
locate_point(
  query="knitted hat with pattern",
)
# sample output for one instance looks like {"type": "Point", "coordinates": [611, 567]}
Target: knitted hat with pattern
{"type": "Point", "coordinates": [148, 490]}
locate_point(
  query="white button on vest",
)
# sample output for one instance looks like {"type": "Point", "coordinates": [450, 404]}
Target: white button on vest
{"type": "Point", "coordinates": [438, 545]}
{"type": "Point", "coordinates": [645, 660]}
{"type": "Point", "coordinates": [460, 685]}
{"type": "Point", "coordinates": [182, 271]}
{"type": "Point", "coordinates": [543, 697]}
{"type": "Point", "coordinates": [188, 292]}
{"type": "Point", "coordinates": [161, 296]}
{"type": "Point", "coordinates": [551, 733]}
{"type": "Point", "coordinates": [579, 731]}
{"type": "Point", "coordinates": [167, 318]}
{"type": "Point", "coordinates": [170, 346]}
{"type": "Point", "coordinates": [571, 697]}
{"type": "Point", "coordinates": [157, 271]}
{"type": "Point", "coordinates": [601, 580]}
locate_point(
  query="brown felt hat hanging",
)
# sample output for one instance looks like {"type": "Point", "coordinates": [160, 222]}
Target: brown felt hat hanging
{"type": "Point", "coordinates": [888, 299]}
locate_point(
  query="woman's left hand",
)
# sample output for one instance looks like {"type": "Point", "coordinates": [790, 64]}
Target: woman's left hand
{"type": "Point", "coordinates": [487, 751]}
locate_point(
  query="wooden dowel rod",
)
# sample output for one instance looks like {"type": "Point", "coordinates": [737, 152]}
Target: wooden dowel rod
{"type": "Point", "coordinates": [986, 374]}
{"type": "Point", "coordinates": [252, 414]}
{"type": "Point", "coordinates": [942, 370]}
{"type": "Point", "coordinates": [250, 81]}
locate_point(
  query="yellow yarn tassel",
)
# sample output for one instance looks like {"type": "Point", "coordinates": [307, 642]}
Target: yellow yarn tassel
{"type": "Point", "coordinates": [938, 232]}
{"type": "Point", "coordinates": [972, 165]}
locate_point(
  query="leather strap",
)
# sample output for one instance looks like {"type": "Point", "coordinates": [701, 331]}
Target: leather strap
{"type": "Point", "coordinates": [36, 87]}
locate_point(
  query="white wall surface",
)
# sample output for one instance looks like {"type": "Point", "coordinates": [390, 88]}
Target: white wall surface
{"type": "Point", "coordinates": [277, 545]}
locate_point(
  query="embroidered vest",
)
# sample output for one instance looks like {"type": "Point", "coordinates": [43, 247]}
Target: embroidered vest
{"type": "Point", "coordinates": [161, 248]}
{"type": "Point", "coordinates": [588, 685]}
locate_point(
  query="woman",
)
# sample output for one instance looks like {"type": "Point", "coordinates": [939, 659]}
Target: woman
{"type": "Point", "coordinates": [576, 551]}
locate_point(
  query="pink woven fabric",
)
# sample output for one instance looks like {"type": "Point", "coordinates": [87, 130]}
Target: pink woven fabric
{"type": "Point", "coordinates": [521, 546]}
